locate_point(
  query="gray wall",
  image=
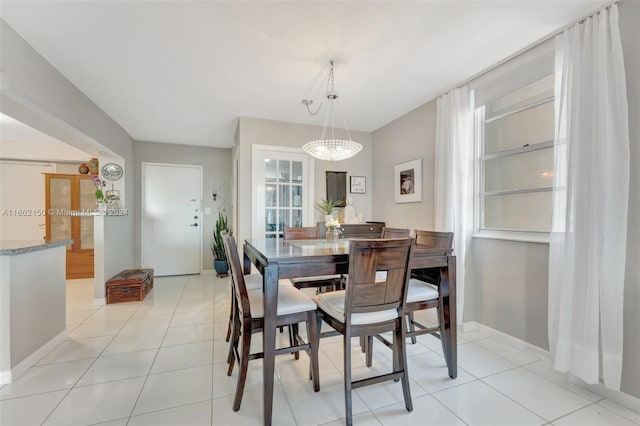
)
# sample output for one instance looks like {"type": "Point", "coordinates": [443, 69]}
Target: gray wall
{"type": "Point", "coordinates": [35, 93]}
{"type": "Point", "coordinates": [404, 139]}
{"type": "Point", "coordinates": [216, 164]}
{"type": "Point", "coordinates": [506, 286]}
{"type": "Point", "coordinates": [630, 33]}
{"type": "Point", "coordinates": [276, 133]}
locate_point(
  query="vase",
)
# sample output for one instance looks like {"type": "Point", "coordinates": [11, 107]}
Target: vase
{"type": "Point", "coordinates": [93, 166]}
{"type": "Point", "coordinates": [333, 235]}
{"type": "Point", "coordinates": [221, 267]}
{"type": "Point", "coordinates": [102, 209]}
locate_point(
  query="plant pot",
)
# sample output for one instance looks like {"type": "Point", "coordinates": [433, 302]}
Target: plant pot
{"type": "Point", "coordinates": [328, 217]}
{"type": "Point", "coordinates": [221, 267]}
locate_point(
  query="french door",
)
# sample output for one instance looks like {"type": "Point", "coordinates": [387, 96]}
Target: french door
{"type": "Point", "coordinates": [282, 186]}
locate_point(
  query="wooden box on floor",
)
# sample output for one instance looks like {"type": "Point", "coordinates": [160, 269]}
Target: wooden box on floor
{"type": "Point", "coordinates": [131, 285]}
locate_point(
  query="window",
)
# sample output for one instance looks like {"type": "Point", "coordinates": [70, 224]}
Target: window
{"type": "Point", "coordinates": [515, 142]}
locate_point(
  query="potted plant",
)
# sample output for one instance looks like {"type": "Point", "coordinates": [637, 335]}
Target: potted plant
{"type": "Point", "coordinates": [220, 263]}
{"type": "Point", "coordinates": [328, 206]}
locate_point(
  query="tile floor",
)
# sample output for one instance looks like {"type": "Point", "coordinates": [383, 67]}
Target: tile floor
{"type": "Point", "coordinates": [162, 362]}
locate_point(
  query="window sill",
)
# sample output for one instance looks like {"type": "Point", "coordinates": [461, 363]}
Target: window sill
{"type": "Point", "coordinates": [525, 237]}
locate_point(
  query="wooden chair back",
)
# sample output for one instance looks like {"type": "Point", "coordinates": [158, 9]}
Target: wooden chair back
{"type": "Point", "coordinates": [395, 232]}
{"type": "Point", "coordinates": [434, 239]}
{"type": "Point", "coordinates": [366, 294]}
{"type": "Point", "coordinates": [237, 276]}
{"type": "Point", "coordinates": [301, 233]}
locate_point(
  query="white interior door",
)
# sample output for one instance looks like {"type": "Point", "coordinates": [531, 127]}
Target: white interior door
{"type": "Point", "coordinates": [282, 186]}
{"type": "Point", "coordinates": [172, 218]}
{"type": "Point", "coordinates": [22, 200]}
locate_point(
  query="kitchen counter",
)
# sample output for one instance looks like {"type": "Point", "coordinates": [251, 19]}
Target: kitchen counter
{"type": "Point", "coordinates": [32, 303]}
{"type": "Point", "coordinates": [13, 247]}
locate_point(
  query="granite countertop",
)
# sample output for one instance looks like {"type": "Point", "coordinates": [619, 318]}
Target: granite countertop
{"type": "Point", "coordinates": [13, 247]}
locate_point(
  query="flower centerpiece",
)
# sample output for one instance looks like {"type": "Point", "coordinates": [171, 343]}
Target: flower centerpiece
{"type": "Point", "coordinates": [103, 198]}
{"type": "Point", "coordinates": [333, 230]}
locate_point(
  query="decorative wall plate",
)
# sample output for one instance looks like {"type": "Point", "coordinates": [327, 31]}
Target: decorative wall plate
{"type": "Point", "coordinates": [112, 171]}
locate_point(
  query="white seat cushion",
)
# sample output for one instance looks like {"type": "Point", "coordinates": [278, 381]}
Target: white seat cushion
{"type": "Point", "coordinates": [419, 290]}
{"type": "Point", "coordinates": [253, 281]}
{"type": "Point", "coordinates": [290, 301]}
{"type": "Point", "coordinates": [333, 304]}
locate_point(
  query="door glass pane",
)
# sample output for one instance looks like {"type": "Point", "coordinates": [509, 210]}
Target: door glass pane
{"type": "Point", "coordinates": [270, 172]}
{"type": "Point", "coordinates": [296, 193]}
{"type": "Point", "coordinates": [296, 171]}
{"type": "Point", "coordinates": [270, 220]}
{"type": "Point", "coordinates": [284, 195]}
{"type": "Point", "coordinates": [296, 217]}
{"type": "Point", "coordinates": [60, 200]}
{"type": "Point", "coordinates": [270, 195]}
{"type": "Point", "coordinates": [283, 170]}
{"type": "Point", "coordinates": [87, 202]}
{"type": "Point", "coordinates": [283, 220]}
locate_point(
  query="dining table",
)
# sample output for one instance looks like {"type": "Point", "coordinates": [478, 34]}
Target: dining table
{"type": "Point", "coordinates": [276, 259]}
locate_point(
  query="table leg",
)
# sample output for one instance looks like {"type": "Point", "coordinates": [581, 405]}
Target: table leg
{"type": "Point", "coordinates": [270, 283]}
{"type": "Point", "coordinates": [449, 335]}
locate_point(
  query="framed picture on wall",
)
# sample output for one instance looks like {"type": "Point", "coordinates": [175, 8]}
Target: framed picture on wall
{"type": "Point", "coordinates": [358, 185]}
{"type": "Point", "coordinates": [408, 181]}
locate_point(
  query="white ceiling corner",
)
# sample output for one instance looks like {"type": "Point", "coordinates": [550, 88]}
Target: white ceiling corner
{"type": "Point", "coordinates": [183, 72]}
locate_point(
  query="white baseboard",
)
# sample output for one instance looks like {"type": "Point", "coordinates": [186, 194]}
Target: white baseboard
{"type": "Point", "coordinates": [621, 398]}
{"type": "Point", "coordinates": [99, 301]}
{"type": "Point", "coordinates": [536, 351]}
{"type": "Point", "coordinates": [31, 360]}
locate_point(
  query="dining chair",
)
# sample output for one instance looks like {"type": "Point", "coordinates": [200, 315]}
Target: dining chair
{"type": "Point", "coordinates": [381, 275]}
{"type": "Point", "coordinates": [424, 292]}
{"type": "Point", "coordinates": [320, 282]}
{"type": "Point", "coordinates": [293, 307]}
{"type": "Point", "coordinates": [369, 306]}
{"type": "Point", "coordinates": [395, 232]}
{"type": "Point", "coordinates": [424, 286]}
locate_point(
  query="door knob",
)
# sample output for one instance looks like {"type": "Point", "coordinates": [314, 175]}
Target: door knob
{"type": "Point", "coordinates": [194, 224]}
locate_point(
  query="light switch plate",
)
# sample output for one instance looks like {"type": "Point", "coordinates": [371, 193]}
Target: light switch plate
{"type": "Point", "coordinates": [207, 211]}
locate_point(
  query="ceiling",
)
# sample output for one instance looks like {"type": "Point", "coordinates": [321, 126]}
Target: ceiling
{"type": "Point", "coordinates": [183, 72]}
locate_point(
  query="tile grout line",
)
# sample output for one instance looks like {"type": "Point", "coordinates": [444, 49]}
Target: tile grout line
{"type": "Point", "coordinates": [133, 407]}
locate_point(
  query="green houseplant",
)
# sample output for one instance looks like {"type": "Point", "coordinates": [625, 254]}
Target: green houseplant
{"type": "Point", "coordinates": [220, 263]}
{"type": "Point", "coordinates": [328, 206]}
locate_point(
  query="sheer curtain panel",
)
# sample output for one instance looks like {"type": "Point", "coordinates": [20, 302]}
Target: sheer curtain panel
{"type": "Point", "coordinates": [590, 202]}
{"type": "Point", "coordinates": [453, 183]}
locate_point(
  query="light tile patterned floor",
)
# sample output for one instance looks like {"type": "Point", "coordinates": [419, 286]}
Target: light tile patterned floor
{"type": "Point", "coordinates": [162, 362]}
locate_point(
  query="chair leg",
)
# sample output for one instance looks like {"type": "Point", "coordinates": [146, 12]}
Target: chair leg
{"type": "Point", "coordinates": [231, 313]}
{"type": "Point", "coordinates": [348, 405]}
{"type": "Point", "coordinates": [244, 366]}
{"type": "Point", "coordinates": [369, 350]}
{"type": "Point", "coordinates": [411, 326]}
{"type": "Point", "coordinates": [363, 344]}
{"type": "Point", "coordinates": [233, 344]}
{"type": "Point", "coordinates": [293, 340]}
{"type": "Point", "coordinates": [314, 342]}
{"type": "Point", "coordinates": [400, 363]}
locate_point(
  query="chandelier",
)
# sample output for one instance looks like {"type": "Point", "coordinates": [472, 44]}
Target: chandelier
{"type": "Point", "coordinates": [328, 147]}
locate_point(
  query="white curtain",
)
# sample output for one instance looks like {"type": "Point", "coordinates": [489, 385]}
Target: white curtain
{"type": "Point", "coordinates": [590, 202]}
{"type": "Point", "coordinates": [453, 185]}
